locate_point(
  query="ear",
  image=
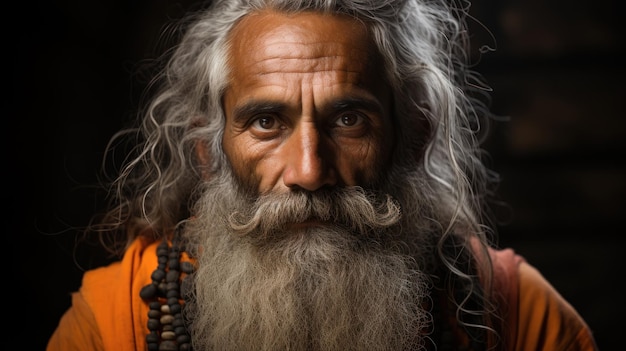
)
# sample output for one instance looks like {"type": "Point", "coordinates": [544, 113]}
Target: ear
{"type": "Point", "coordinates": [202, 153]}
{"type": "Point", "coordinates": [203, 157]}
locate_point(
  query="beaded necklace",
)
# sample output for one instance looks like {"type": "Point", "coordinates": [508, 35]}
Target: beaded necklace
{"type": "Point", "coordinates": [165, 297]}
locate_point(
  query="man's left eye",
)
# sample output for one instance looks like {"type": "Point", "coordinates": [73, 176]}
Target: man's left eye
{"type": "Point", "coordinates": [349, 120]}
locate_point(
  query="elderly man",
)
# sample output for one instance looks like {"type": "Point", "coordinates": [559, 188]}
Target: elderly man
{"type": "Point", "coordinates": [308, 179]}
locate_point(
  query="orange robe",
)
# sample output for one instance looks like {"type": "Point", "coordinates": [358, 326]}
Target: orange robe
{"type": "Point", "coordinates": [108, 314]}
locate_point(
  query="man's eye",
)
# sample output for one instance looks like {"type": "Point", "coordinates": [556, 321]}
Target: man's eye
{"type": "Point", "coordinates": [265, 122]}
{"type": "Point", "coordinates": [349, 120]}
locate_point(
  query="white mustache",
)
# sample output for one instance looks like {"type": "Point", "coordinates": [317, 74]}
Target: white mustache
{"type": "Point", "coordinates": [350, 207]}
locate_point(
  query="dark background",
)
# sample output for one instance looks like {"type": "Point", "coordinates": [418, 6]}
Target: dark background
{"type": "Point", "coordinates": [557, 73]}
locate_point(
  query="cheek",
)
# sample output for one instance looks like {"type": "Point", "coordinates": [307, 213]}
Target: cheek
{"type": "Point", "coordinates": [375, 164]}
{"type": "Point", "coordinates": [243, 163]}
{"type": "Point", "coordinates": [363, 163]}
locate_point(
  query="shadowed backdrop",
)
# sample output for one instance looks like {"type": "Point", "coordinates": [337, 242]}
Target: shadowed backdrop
{"type": "Point", "coordinates": [557, 77]}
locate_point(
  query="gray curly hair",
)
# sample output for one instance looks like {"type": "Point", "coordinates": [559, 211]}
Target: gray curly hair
{"type": "Point", "coordinates": [424, 45]}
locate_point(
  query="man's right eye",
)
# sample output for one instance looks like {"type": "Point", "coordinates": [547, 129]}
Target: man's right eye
{"type": "Point", "coordinates": [264, 122]}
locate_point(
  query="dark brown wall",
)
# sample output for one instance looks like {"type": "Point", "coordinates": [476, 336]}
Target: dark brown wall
{"type": "Point", "coordinates": [557, 74]}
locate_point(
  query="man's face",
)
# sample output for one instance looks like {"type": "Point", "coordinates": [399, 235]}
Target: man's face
{"type": "Point", "coordinates": [307, 105]}
{"type": "Point", "coordinates": [320, 259]}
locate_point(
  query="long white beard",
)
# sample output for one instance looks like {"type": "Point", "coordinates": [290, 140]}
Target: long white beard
{"type": "Point", "coordinates": [325, 287]}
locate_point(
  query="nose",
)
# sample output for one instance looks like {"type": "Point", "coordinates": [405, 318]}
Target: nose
{"type": "Point", "coordinates": [309, 164]}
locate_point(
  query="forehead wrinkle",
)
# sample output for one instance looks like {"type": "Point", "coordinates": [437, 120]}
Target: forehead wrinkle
{"type": "Point", "coordinates": [291, 43]}
{"type": "Point", "coordinates": [319, 68]}
{"type": "Point", "coordinates": [283, 71]}
{"type": "Point", "coordinates": [308, 61]}
{"type": "Point", "coordinates": [267, 54]}
{"type": "Point", "coordinates": [336, 79]}
{"type": "Point", "coordinates": [309, 49]}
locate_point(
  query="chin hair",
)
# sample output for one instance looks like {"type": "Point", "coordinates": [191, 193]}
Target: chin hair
{"type": "Point", "coordinates": [317, 288]}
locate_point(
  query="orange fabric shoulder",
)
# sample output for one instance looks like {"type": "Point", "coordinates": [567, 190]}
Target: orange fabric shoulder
{"type": "Point", "coordinates": [546, 320]}
{"type": "Point", "coordinates": [535, 317]}
{"type": "Point", "coordinates": [108, 307]}
{"type": "Point", "coordinates": [77, 329]}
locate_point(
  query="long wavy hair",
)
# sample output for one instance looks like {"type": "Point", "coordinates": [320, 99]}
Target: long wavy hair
{"type": "Point", "coordinates": [439, 116]}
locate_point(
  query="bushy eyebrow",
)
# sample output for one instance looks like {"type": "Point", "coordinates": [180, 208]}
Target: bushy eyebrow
{"type": "Point", "coordinates": [354, 103]}
{"type": "Point", "coordinates": [242, 112]}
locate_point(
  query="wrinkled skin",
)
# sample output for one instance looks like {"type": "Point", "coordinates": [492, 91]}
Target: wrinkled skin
{"type": "Point", "coordinates": [307, 105]}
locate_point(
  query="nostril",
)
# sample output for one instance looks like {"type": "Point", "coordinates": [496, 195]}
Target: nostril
{"type": "Point", "coordinates": [309, 173]}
